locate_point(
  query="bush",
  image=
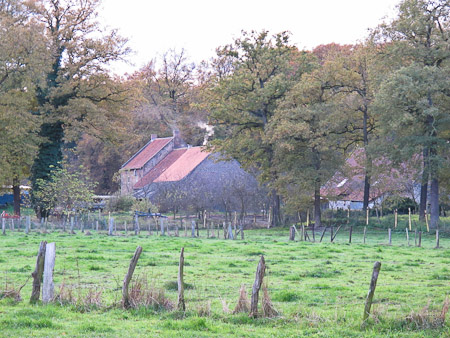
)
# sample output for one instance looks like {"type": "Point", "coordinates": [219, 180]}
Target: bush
{"type": "Point", "coordinates": [144, 205]}
{"type": "Point", "coordinates": [121, 203]}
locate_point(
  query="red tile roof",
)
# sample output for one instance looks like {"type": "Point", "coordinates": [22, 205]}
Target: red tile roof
{"type": "Point", "coordinates": [146, 153]}
{"type": "Point", "coordinates": [161, 167]}
{"type": "Point", "coordinates": [183, 165]}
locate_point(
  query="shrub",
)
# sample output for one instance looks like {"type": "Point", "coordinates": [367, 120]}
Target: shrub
{"type": "Point", "coordinates": [121, 203]}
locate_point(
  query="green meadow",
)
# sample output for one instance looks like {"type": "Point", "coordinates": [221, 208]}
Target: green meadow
{"type": "Point", "coordinates": [318, 289]}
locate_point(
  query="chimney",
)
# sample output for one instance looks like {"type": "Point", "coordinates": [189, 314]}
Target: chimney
{"type": "Point", "coordinates": [153, 137]}
{"type": "Point", "coordinates": [177, 141]}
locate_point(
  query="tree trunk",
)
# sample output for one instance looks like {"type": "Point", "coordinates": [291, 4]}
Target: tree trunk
{"type": "Point", "coordinates": [16, 196]}
{"type": "Point", "coordinates": [368, 165]}
{"type": "Point", "coordinates": [434, 201]}
{"type": "Point", "coordinates": [317, 211]}
{"type": "Point", "coordinates": [276, 210]}
{"type": "Point", "coordinates": [424, 186]}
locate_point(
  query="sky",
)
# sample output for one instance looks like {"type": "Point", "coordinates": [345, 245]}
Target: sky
{"type": "Point", "coordinates": [200, 26]}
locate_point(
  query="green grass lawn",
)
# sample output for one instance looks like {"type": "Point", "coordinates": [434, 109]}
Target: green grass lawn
{"type": "Point", "coordinates": [318, 288]}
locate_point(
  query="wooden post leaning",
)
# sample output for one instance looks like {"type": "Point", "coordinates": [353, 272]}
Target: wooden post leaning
{"type": "Point", "coordinates": [181, 304]}
{"type": "Point", "coordinates": [126, 281]}
{"type": "Point", "coordinates": [369, 298]}
{"type": "Point", "coordinates": [260, 271]}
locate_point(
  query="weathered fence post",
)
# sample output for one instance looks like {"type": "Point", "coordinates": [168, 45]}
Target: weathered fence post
{"type": "Point", "coordinates": [27, 227]}
{"type": "Point", "coordinates": [395, 218]}
{"type": "Point", "coordinates": [161, 224]}
{"type": "Point", "coordinates": [260, 271]}
{"type": "Point", "coordinates": [181, 305]}
{"type": "Point", "coordinates": [409, 219]}
{"type": "Point", "coordinates": [292, 233]}
{"type": "Point", "coordinates": [48, 287]}
{"type": "Point", "coordinates": [323, 234]}
{"type": "Point", "coordinates": [350, 234]}
{"type": "Point", "coordinates": [373, 285]}
{"type": "Point", "coordinates": [426, 220]}
{"type": "Point", "coordinates": [390, 236]}
{"type": "Point", "coordinates": [407, 236]}
{"type": "Point", "coordinates": [111, 226]}
{"type": "Point", "coordinates": [437, 238]}
{"type": "Point", "coordinates": [136, 224]}
{"type": "Point", "coordinates": [128, 276]}
{"type": "Point", "coordinates": [37, 273]}
{"type": "Point", "coordinates": [193, 229]}
{"type": "Point", "coordinates": [230, 231]}
{"type": "Point", "coordinates": [367, 216]}
{"type": "Point", "coordinates": [3, 226]}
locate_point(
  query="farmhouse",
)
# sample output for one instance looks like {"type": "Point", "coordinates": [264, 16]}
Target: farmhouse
{"type": "Point", "coordinates": [170, 173]}
{"type": "Point", "coordinates": [345, 190]}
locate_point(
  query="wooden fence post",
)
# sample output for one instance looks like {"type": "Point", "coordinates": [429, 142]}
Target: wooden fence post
{"type": "Point", "coordinates": [373, 285]}
{"type": "Point", "coordinates": [27, 228]}
{"type": "Point", "coordinates": [437, 239]}
{"type": "Point", "coordinates": [161, 225]}
{"type": "Point", "coordinates": [292, 233]}
{"type": "Point", "coordinates": [395, 218]}
{"type": "Point", "coordinates": [111, 226]}
{"type": "Point", "coordinates": [364, 235]}
{"type": "Point", "coordinates": [367, 216]}
{"type": "Point", "coordinates": [128, 276]}
{"type": "Point", "coordinates": [136, 224]}
{"type": "Point", "coordinates": [426, 220]}
{"type": "Point", "coordinates": [415, 237]}
{"type": "Point", "coordinates": [420, 239]}
{"type": "Point", "coordinates": [407, 236]}
{"type": "Point", "coordinates": [48, 287]}
{"type": "Point", "coordinates": [230, 231]}
{"type": "Point", "coordinates": [323, 234]}
{"type": "Point", "coordinates": [260, 271]}
{"type": "Point", "coordinates": [37, 273]}
{"type": "Point", "coordinates": [409, 219]}
{"type": "Point", "coordinates": [193, 229]}
{"type": "Point", "coordinates": [181, 304]}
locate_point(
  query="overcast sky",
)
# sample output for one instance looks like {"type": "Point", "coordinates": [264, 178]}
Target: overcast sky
{"type": "Point", "coordinates": [199, 26]}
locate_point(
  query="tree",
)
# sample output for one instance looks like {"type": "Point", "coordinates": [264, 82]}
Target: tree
{"type": "Point", "coordinates": [68, 189]}
{"type": "Point", "coordinates": [253, 74]}
{"type": "Point", "coordinates": [76, 82]}
{"type": "Point", "coordinates": [21, 50]}
{"type": "Point", "coordinates": [414, 100]}
{"type": "Point", "coordinates": [308, 132]}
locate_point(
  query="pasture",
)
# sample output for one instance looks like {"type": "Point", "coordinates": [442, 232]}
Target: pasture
{"type": "Point", "coordinates": [318, 289]}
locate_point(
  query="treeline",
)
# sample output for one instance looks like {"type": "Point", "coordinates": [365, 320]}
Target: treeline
{"type": "Point", "coordinates": [290, 116]}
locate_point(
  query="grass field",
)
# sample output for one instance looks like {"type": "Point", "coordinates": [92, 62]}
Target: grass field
{"type": "Point", "coordinates": [318, 288]}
